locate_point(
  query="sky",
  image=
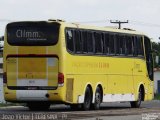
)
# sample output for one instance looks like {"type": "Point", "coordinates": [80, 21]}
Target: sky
{"type": "Point", "coordinates": [143, 15]}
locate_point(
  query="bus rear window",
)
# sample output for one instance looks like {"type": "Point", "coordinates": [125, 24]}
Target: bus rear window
{"type": "Point", "coordinates": [32, 33]}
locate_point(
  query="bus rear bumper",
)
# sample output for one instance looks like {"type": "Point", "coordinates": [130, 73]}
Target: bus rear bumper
{"type": "Point", "coordinates": [32, 95]}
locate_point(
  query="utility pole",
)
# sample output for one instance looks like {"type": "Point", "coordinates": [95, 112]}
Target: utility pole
{"type": "Point", "coordinates": [119, 22]}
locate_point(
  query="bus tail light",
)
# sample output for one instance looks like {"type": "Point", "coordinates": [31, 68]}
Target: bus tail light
{"type": "Point", "coordinates": [60, 79]}
{"type": "Point", "coordinates": [4, 77]}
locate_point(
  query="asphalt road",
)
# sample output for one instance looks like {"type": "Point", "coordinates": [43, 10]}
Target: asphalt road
{"type": "Point", "coordinates": [109, 111]}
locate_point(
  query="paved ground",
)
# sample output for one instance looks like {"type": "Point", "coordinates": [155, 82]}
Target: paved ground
{"type": "Point", "coordinates": [109, 111]}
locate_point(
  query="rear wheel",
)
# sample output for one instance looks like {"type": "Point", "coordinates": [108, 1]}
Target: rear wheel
{"type": "Point", "coordinates": [38, 106]}
{"type": "Point", "coordinates": [87, 99]}
{"type": "Point", "coordinates": [98, 99]}
{"type": "Point", "coordinates": [136, 104]}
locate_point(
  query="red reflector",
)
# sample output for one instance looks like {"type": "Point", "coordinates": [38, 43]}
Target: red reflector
{"type": "Point", "coordinates": [60, 78]}
{"type": "Point", "coordinates": [4, 77]}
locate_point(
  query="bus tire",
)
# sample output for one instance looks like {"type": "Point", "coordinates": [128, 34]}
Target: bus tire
{"type": "Point", "coordinates": [136, 104]}
{"type": "Point", "coordinates": [98, 99]}
{"type": "Point", "coordinates": [87, 99]}
{"type": "Point", "coordinates": [38, 106]}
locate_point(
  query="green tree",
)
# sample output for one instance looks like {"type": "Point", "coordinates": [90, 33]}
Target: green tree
{"type": "Point", "coordinates": [156, 52]}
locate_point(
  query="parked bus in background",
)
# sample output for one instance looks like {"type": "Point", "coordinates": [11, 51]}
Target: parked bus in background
{"type": "Point", "coordinates": [47, 62]}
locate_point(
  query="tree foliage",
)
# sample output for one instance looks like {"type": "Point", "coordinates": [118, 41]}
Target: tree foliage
{"type": "Point", "coordinates": [156, 52]}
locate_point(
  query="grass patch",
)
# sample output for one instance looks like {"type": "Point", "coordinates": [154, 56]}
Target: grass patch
{"type": "Point", "coordinates": [157, 97]}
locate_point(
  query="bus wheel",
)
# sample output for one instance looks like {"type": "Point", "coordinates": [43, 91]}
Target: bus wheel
{"type": "Point", "coordinates": [136, 104]}
{"type": "Point", "coordinates": [38, 106]}
{"type": "Point", "coordinates": [98, 99]}
{"type": "Point", "coordinates": [87, 99]}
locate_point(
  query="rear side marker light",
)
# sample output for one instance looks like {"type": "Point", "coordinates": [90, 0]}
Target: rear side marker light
{"type": "Point", "coordinates": [60, 79]}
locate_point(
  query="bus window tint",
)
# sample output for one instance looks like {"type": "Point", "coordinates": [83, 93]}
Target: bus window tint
{"type": "Point", "coordinates": [106, 43]}
{"type": "Point", "coordinates": [70, 42]}
{"type": "Point", "coordinates": [128, 45]}
{"type": "Point", "coordinates": [122, 45]}
{"type": "Point", "coordinates": [90, 42]}
{"type": "Point", "coordinates": [133, 46]}
{"type": "Point", "coordinates": [78, 42]}
{"type": "Point", "coordinates": [103, 43]}
{"type": "Point", "coordinates": [117, 44]}
{"type": "Point", "coordinates": [140, 46]}
{"type": "Point", "coordinates": [84, 39]}
{"type": "Point", "coordinates": [111, 44]}
{"type": "Point", "coordinates": [98, 43]}
{"type": "Point", "coordinates": [149, 59]}
{"type": "Point", "coordinates": [32, 33]}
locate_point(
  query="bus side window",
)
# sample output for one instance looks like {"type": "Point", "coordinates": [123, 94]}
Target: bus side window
{"type": "Point", "coordinates": [111, 44]}
{"type": "Point", "coordinates": [78, 41]}
{"type": "Point", "coordinates": [149, 58]}
{"type": "Point", "coordinates": [117, 44]}
{"type": "Point", "coordinates": [106, 43]}
{"type": "Point", "coordinates": [90, 42]}
{"type": "Point", "coordinates": [129, 45]}
{"type": "Point", "coordinates": [98, 43]}
{"type": "Point", "coordinates": [122, 45]}
{"type": "Point", "coordinates": [140, 46]}
{"type": "Point", "coordinates": [133, 45]}
{"type": "Point", "coordinates": [125, 45]}
{"type": "Point", "coordinates": [84, 41]}
{"type": "Point", "coordinates": [70, 42]}
{"type": "Point", "coordinates": [103, 43]}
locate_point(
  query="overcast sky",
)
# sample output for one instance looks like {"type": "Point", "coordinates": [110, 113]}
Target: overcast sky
{"type": "Point", "coordinates": [143, 15]}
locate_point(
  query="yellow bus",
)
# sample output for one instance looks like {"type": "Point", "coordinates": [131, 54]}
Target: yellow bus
{"type": "Point", "coordinates": [48, 62]}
